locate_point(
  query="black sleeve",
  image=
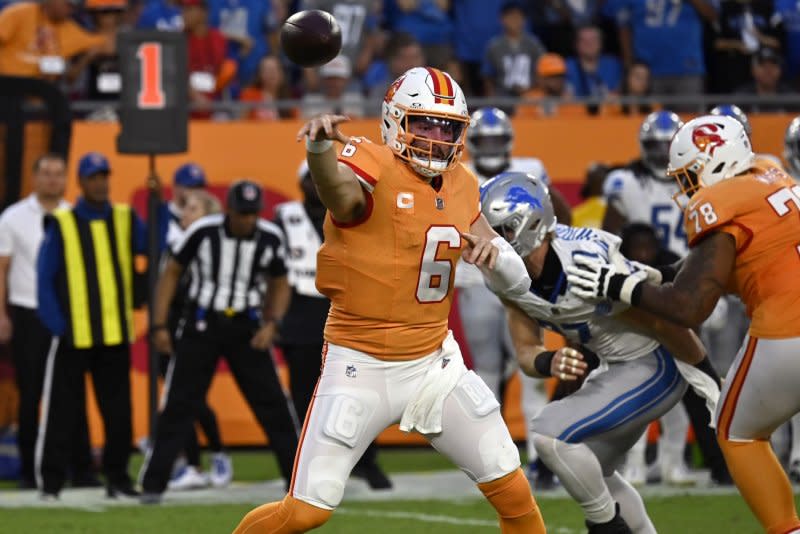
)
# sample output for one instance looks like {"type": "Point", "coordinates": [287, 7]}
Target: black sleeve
{"type": "Point", "coordinates": [277, 266]}
{"type": "Point", "coordinates": [185, 249]}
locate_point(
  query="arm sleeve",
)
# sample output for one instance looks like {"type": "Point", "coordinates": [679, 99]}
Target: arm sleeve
{"type": "Point", "coordinates": [6, 241]}
{"type": "Point", "coordinates": [185, 249]}
{"type": "Point", "coordinates": [363, 157]}
{"type": "Point", "coordinates": [49, 263]}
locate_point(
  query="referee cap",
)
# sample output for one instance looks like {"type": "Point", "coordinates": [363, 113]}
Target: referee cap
{"type": "Point", "coordinates": [245, 196]}
{"type": "Point", "coordinates": [92, 163]}
{"type": "Point", "coordinates": [190, 175]}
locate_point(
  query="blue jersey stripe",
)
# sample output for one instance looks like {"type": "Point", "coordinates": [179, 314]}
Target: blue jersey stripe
{"type": "Point", "coordinates": [630, 404]}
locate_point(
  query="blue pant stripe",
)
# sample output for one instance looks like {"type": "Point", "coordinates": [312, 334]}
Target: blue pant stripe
{"type": "Point", "coordinates": [628, 405]}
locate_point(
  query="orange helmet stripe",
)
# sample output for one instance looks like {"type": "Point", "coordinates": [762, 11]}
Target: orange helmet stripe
{"type": "Point", "coordinates": [442, 87]}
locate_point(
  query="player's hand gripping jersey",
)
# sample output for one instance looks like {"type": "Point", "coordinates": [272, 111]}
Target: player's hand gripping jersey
{"type": "Point", "coordinates": [389, 276]}
{"type": "Point", "coordinates": [761, 210]}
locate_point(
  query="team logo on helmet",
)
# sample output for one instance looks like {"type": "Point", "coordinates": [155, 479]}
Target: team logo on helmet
{"type": "Point", "coordinates": [393, 89]}
{"type": "Point", "coordinates": [705, 138]}
{"type": "Point", "coordinates": [519, 195]}
{"type": "Point", "coordinates": [250, 192]}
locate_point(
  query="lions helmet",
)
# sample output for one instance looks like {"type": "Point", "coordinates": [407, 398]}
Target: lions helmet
{"type": "Point", "coordinates": [517, 206]}
{"type": "Point", "coordinates": [489, 140]}
{"type": "Point", "coordinates": [425, 99]}
{"type": "Point", "coordinates": [655, 134]}
{"type": "Point", "coordinates": [707, 150]}
{"type": "Point", "coordinates": [791, 147]}
{"type": "Point", "coordinates": [734, 111]}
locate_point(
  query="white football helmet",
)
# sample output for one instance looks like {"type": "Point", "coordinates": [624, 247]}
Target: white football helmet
{"type": "Point", "coordinates": [423, 98]}
{"type": "Point", "coordinates": [707, 150]}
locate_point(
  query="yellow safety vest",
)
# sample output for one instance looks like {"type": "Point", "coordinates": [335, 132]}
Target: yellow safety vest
{"type": "Point", "coordinates": [99, 277]}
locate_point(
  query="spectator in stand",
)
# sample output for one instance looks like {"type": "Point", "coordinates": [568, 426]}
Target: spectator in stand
{"type": "Point", "coordinates": [269, 86]}
{"type": "Point", "coordinates": [637, 86]}
{"type": "Point", "coordinates": [209, 70]}
{"type": "Point", "coordinates": [358, 20]}
{"type": "Point", "coordinates": [250, 28]}
{"type": "Point", "coordinates": [335, 98]}
{"type": "Point", "coordinates": [591, 73]}
{"type": "Point", "coordinates": [554, 21]}
{"type": "Point", "coordinates": [668, 39]}
{"type": "Point", "coordinates": [742, 28]}
{"type": "Point", "coordinates": [403, 52]}
{"type": "Point", "coordinates": [476, 22]}
{"type": "Point", "coordinates": [162, 15]}
{"type": "Point", "coordinates": [551, 86]}
{"type": "Point", "coordinates": [509, 68]}
{"type": "Point", "coordinates": [38, 38]}
{"type": "Point", "coordinates": [590, 212]}
{"type": "Point", "coordinates": [766, 68]}
{"type": "Point", "coordinates": [428, 21]}
{"type": "Point", "coordinates": [103, 80]}
{"type": "Point", "coordinates": [786, 19]}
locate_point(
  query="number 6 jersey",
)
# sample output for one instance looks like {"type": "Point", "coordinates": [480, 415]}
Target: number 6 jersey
{"type": "Point", "coordinates": [389, 276]}
{"type": "Point", "coordinates": [761, 210]}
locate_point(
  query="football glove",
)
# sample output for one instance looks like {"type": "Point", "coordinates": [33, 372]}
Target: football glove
{"type": "Point", "coordinates": [593, 279]}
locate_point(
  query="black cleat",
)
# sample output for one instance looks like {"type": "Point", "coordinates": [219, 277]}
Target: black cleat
{"type": "Point", "coordinates": [615, 526]}
{"type": "Point", "coordinates": [374, 476]}
{"type": "Point", "coordinates": [121, 490]}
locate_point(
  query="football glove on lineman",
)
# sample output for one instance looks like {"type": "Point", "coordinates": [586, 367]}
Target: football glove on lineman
{"type": "Point", "coordinates": [593, 279]}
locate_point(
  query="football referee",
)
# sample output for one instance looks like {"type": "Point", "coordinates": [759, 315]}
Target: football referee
{"type": "Point", "coordinates": [232, 257]}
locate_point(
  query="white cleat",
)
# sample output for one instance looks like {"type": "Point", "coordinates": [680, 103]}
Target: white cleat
{"type": "Point", "coordinates": [678, 475]}
{"type": "Point", "coordinates": [635, 473]}
{"type": "Point", "coordinates": [188, 478]}
{"type": "Point", "coordinates": [221, 473]}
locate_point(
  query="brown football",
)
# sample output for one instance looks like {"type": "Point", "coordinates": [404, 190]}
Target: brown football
{"type": "Point", "coordinates": [311, 38]}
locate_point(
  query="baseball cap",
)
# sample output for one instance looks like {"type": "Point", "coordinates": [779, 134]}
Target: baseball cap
{"type": "Point", "coordinates": [92, 163]}
{"type": "Point", "coordinates": [245, 196]}
{"type": "Point", "coordinates": [338, 67]}
{"type": "Point", "coordinates": [190, 175]}
{"type": "Point", "coordinates": [767, 53]}
{"type": "Point", "coordinates": [508, 5]}
{"type": "Point", "coordinates": [551, 65]}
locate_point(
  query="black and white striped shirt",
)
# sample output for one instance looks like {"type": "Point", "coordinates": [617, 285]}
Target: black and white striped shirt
{"type": "Point", "coordinates": [229, 274]}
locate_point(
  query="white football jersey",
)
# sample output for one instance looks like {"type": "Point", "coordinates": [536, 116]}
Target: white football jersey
{"type": "Point", "coordinates": [591, 323]}
{"type": "Point", "coordinates": [468, 275]}
{"type": "Point", "coordinates": [644, 199]}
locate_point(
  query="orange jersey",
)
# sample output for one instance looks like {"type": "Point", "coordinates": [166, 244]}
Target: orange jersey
{"type": "Point", "coordinates": [761, 210]}
{"type": "Point", "coordinates": [390, 276]}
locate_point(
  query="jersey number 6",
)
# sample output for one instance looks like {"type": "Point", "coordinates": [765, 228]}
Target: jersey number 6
{"type": "Point", "coordinates": [435, 274]}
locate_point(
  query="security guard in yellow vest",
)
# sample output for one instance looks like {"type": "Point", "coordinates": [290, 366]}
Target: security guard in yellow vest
{"type": "Point", "coordinates": [85, 270]}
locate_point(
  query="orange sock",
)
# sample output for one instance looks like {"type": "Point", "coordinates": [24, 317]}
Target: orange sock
{"type": "Point", "coordinates": [511, 497]}
{"type": "Point", "coordinates": [763, 483]}
{"type": "Point", "coordinates": [289, 516]}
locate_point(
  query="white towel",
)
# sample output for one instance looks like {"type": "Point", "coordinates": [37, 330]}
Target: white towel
{"type": "Point", "coordinates": [702, 384]}
{"type": "Point", "coordinates": [424, 411]}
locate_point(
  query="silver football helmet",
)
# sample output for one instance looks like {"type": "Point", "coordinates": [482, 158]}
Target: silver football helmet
{"type": "Point", "coordinates": [518, 207]}
{"type": "Point", "coordinates": [489, 140]}
{"type": "Point", "coordinates": [791, 147]}
{"type": "Point", "coordinates": [655, 135]}
{"type": "Point", "coordinates": [732, 110]}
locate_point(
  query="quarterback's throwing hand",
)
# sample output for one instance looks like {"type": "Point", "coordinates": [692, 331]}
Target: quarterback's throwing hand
{"type": "Point", "coordinates": [324, 127]}
{"type": "Point", "coordinates": [568, 364]}
{"type": "Point", "coordinates": [479, 251]}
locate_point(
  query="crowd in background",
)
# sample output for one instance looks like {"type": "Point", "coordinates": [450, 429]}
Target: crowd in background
{"type": "Point", "coordinates": [564, 49]}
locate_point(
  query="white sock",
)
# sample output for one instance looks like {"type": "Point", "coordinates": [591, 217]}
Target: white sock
{"type": "Point", "coordinates": [675, 424]}
{"type": "Point", "coordinates": [580, 473]}
{"type": "Point", "coordinates": [631, 506]}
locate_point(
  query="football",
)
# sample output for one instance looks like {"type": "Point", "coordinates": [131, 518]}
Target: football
{"type": "Point", "coordinates": [311, 38]}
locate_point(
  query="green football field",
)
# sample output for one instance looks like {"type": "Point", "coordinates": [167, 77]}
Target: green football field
{"type": "Point", "coordinates": [673, 511]}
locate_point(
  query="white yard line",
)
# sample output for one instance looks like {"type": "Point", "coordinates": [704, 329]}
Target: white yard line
{"type": "Point", "coordinates": [416, 516]}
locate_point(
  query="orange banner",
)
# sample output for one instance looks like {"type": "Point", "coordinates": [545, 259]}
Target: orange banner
{"type": "Point", "coordinates": [269, 153]}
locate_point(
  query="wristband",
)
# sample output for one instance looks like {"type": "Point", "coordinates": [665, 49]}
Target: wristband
{"type": "Point", "coordinates": [318, 147]}
{"type": "Point", "coordinates": [543, 363]}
